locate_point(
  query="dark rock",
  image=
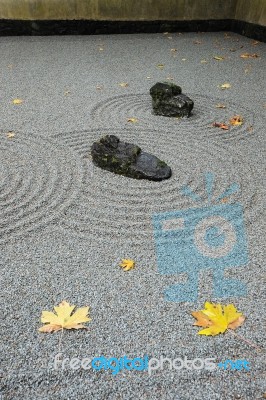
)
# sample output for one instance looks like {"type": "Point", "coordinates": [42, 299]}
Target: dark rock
{"type": "Point", "coordinates": [168, 100]}
{"type": "Point", "coordinates": [127, 159]}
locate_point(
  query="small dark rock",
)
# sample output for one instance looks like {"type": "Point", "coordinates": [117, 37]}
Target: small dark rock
{"type": "Point", "coordinates": [127, 159]}
{"type": "Point", "coordinates": [168, 100]}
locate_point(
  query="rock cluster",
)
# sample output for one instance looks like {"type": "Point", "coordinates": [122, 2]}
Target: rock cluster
{"type": "Point", "coordinates": [128, 159]}
{"type": "Point", "coordinates": [168, 100]}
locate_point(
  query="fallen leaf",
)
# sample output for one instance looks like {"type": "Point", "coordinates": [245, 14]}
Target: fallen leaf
{"type": "Point", "coordinates": [236, 120]}
{"type": "Point", "coordinates": [10, 134]}
{"type": "Point", "coordinates": [219, 58]}
{"type": "Point", "coordinates": [225, 86]}
{"type": "Point", "coordinates": [247, 55]}
{"type": "Point", "coordinates": [219, 105]}
{"type": "Point", "coordinates": [225, 200]}
{"type": "Point", "coordinates": [173, 50]}
{"type": "Point", "coordinates": [64, 318]}
{"type": "Point", "coordinates": [221, 125]}
{"type": "Point", "coordinates": [204, 61]}
{"type": "Point", "coordinates": [123, 84]}
{"type": "Point", "coordinates": [127, 264]}
{"type": "Point", "coordinates": [217, 318]}
{"type": "Point", "coordinates": [133, 120]}
{"type": "Point", "coordinates": [17, 101]}
{"type": "Point", "coordinates": [160, 66]}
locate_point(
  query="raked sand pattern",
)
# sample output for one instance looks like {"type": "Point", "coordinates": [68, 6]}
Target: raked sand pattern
{"type": "Point", "coordinates": [117, 110]}
{"type": "Point", "coordinates": [39, 179]}
{"type": "Point", "coordinates": [112, 207]}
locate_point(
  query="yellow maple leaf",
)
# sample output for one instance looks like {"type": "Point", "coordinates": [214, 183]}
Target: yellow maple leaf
{"type": "Point", "coordinates": [17, 101]}
{"type": "Point", "coordinates": [127, 264]}
{"type": "Point", "coordinates": [133, 120]}
{"type": "Point", "coordinates": [216, 318]}
{"type": "Point", "coordinates": [225, 86]}
{"type": "Point", "coordinates": [64, 318]}
{"type": "Point", "coordinates": [123, 84]}
{"type": "Point", "coordinates": [236, 120]}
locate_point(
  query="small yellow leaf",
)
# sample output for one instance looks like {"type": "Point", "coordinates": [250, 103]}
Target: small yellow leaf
{"type": "Point", "coordinates": [236, 120]}
{"type": "Point", "coordinates": [160, 66]}
{"type": "Point", "coordinates": [17, 101]}
{"type": "Point", "coordinates": [127, 264]}
{"type": "Point", "coordinates": [64, 318]}
{"type": "Point", "coordinates": [133, 120]}
{"type": "Point", "coordinates": [219, 105]}
{"type": "Point", "coordinates": [123, 84]}
{"type": "Point", "coordinates": [218, 58]}
{"type": "Point", "coordinates": [225, 86]}
{"type": "Point", "coordinates": [10, 134]}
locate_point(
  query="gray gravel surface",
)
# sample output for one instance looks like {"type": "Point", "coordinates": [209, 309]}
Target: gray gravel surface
{"type": "Point", "coordinates": [65, 224]}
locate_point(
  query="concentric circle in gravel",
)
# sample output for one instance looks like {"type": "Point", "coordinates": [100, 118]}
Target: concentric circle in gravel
{"type": "Point", "coordinates": [116, 111]}
{"type": "Point", "coordinates": [113, 207]}
{"type": "Point", "coordinates": [38, 180]}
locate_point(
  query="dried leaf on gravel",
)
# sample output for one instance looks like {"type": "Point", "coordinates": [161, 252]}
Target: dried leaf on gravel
{"type": "Point", "coordinates": [219, 105]}
{"type": "Point", "coordinates": [160, 66]}
{"type": "Point", "coordinates": [225, 86]}
{"type": "Point", "coordinates": [123, 84]}
{"type": "Point", "coordinates": [64, 318]}
{"type": "Point", "coordinates": [203, 61]}
{"type": "Point", "coordinates": [221, 125]}
{"type": "Point", "coordinates": [173, 50]}
{"type": "Point", "coordinates": [10, 134]}
{"type": "Point", "coordinates": [219, 58]}
{"type": "Point", "coordinates": [17, 101]}
{"type": "Point", "coordinates": [248, 55]}
{"type": "Point", "coordinates": [236, 120]}
{"type": "Point", "coordinates": [216, 318]}
{"type": "Point", "coordinates": [127, 264]}
{"type": "Point", "coordinates": [133, 120]}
